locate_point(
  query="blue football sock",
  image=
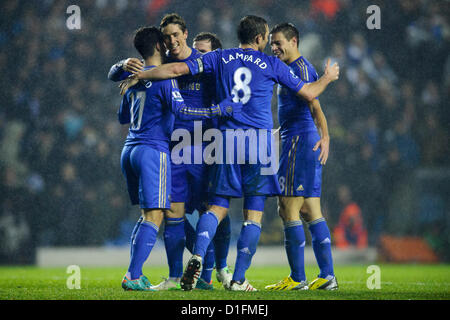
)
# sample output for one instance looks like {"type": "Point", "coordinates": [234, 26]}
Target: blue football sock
{"type": "Point", "coordinates": [222, 243]}
{"type": "Point", "coordinates": [190, 236]}
{"type": "Point", "coordinates": [294, 243]}
{"type": "Point", "coordinates": [142, 246]}
{"type": "Point", "coordinates": [133, 234]}
{"type": "Point", "coordinates": [206, 229]}
{"type": "Point", "coordinates": [208, 264]}
{"type": "Point", "coordinates": [321, 243]}
{"type": "Point", "coordinates": [246, 247]}
{"type": "Point", "coordinates": [174, 242]}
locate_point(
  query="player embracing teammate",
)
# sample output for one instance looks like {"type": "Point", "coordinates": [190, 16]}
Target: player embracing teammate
{"type": "Point", "coordinates": [249, 74]}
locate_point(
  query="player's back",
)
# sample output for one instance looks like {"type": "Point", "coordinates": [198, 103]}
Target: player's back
{"type": "Point", "coordinates": [294, 113]}
{"type": "Point", "coordinates": [151, 120]}
{"type": "Point", "coordinates": [250, 75]}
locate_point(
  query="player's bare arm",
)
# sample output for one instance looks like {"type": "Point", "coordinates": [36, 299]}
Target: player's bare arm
{"type": "Point", "coordinates": [322, 126]}
{"type": "Point", "coordinates": [165, 71]}
{"type": "Point", "coordinates": [162, 72]}
{"type": "Point", "coordinates": [312, 90]}
{"type": "Point", "coordinates": [133, 65]}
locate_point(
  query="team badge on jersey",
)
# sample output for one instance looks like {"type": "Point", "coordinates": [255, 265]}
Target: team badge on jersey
{"type": "Point", "coordinates": [293, 74]}
{"type": "Point", "coordinates": [176, 96]}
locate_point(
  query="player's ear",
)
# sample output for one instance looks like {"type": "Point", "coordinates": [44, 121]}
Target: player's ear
{"type": "Point", "coordinates": [258, 39]}
{"type": "Point", "coordinates": [185, 33]}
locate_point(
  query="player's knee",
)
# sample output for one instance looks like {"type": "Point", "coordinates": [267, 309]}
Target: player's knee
{"type": "Point", "coordinates": [176, 210]}
{"type": "Point", "coordinates": [153, 215]}
{"type": "Point", "coordinates": [286, 213]}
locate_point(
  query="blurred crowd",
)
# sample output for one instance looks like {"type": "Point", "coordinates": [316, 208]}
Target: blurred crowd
{"type": "Point", "coordinates": [60, 143]}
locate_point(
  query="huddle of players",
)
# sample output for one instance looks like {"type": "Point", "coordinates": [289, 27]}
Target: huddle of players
{"type": "Point", "coordinates": [203, 80]}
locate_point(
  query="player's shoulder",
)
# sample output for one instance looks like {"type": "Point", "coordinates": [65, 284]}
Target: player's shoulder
{"type": "Point", "coordinates": [307, 63]}
{"type": "Point", "coordinates": [303, 68]}
{"type": "Point", "coordinates": [309, 66]}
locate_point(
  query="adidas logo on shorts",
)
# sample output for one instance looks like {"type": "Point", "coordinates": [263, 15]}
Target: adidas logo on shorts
{"type": "Point", "coordinates": [204, 234]}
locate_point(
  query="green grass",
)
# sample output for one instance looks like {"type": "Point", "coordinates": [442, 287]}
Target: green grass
{"type": "Point", "coordinates": [421, 282]}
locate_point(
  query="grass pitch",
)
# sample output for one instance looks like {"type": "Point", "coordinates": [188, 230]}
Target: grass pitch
{"type": "Point", "coordinates": [398, 282]}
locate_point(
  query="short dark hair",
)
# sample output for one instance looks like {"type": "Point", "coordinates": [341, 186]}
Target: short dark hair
{"type": "Point", "coordinates": [212, 37]}
{"type": "Point", "coordinates": [287, 29]}
{"type": "Point", "coordinates": [173, 18]}
{"type": "Point", "coordinates": [250, 27]}
{"type": "Point", "coordinates": [145, 40]}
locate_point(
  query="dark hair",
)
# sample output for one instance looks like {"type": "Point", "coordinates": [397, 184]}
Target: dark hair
{"type": "Point", "coordinates": [250, 27]}
{"type": "Point", "coordinates": [174, 18]}
{"type": "Point", "coordinates": [287, 29]}
{"type": "Point", "coordinates": [145, 40]}
{"type": "Point", "coordinates": [215, 41]}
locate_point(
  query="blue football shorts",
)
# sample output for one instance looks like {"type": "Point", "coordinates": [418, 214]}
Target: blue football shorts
{"type": "Point", "coordinates": [190, 183]}
{"type": "Point", "coordinates": [246, 168]}
{"type": "Point", "coordinates": [300, 173]}
{"type": "Point", "coordinates": [148, 175]}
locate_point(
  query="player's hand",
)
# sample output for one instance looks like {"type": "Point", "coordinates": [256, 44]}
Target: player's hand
{"type": "Point", "coordinates": [324, 145]}
{"type": "Point", "coordinates": [127, 83]}
{"type": "Point", "coordinates": [228, 108]}
{"type": "Point", "coordinates": [332, 71]}
{"type": "Point", "coordinates": [133, 65]}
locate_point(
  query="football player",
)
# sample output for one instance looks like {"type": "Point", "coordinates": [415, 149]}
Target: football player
{"type": "Point", "coordinates": [304, 152]}
{"type": "Point", "coordinates": [249, 74]}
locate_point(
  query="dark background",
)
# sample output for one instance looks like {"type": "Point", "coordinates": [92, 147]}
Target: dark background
{"type": "Point", "coordinates": [60, 143]}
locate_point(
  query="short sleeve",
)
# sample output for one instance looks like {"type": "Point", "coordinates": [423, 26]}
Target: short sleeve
{"type": "Point", "coordinates": [286, 77]}
{"type": "Point", "coordinates": [207, 63]}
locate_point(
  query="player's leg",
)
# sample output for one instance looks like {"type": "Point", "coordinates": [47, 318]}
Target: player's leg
{"type": "Point", "coordinates": [294, 242]}
{"type": "Point", "coordinates": [205, 231]}
{"type": "Point", "coordinates": [174, 228]}
{"type": "Point", "coordinates": [321, 243]}
{"type": "Point", "coordinates": [221, 247]}
{"type": "Point", "coordinates": [174, 239]}
{"type": "Point", "coordinates": [132, 181]}
{"type": "Point", "coordinates": [197, 200]}
{"type": "Point", "coordinates": [146, 171]}
{"type": "Point", "coordinates": [247, 241]}
{"type": "Point", "coordinates": [143, 243]}
{"type": "Point", "coordinates": [223, 183]}
{"type": "Point", "coordinates": [259, 181]}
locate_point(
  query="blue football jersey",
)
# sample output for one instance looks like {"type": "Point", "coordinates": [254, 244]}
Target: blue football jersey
{"type": "Point", "coordinates": [150, 108]}
{"type": "Point", "coordinates": [250, 76]}
{"type": "Point", "coordinates": [197, 91]}
{"type": "Point", "coordinates": [294, 114]}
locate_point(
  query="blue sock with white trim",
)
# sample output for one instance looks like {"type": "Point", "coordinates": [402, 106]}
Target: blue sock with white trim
{"type": "Point", "coordinates": [222, 242]}
{"type": "Point", "coordinates": [208, 264]}
{"type": "Point", "coordinates": [206, 229]}
{"type": "Point", "coordinates": [174, 242]}
{"type": "Point", "coordinates": [190, 236]}
{"type": "Point", "coordinates": [133, 234]}
{"type": "Point", "coordinates": [321, 243]}
{"type": "Point", "coordinates": [294, 243]}
{"type": "Point", "coordinates": [246, 247]}
{"type": "Point", "coordinates": [142, 246]}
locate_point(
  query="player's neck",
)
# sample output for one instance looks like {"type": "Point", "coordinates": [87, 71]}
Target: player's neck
{"type": "Point", "coordinates": [184, 54]}
{"type": "Point", "coordinates": [249, 46]}
{"type": "Point", "coordinates": [294, 57]}
{"type": "Point", "coordinates": [154, 60]}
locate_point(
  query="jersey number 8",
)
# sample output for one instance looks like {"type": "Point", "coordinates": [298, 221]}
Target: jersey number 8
{"type": "Point", "coordinates": [242, 78]}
